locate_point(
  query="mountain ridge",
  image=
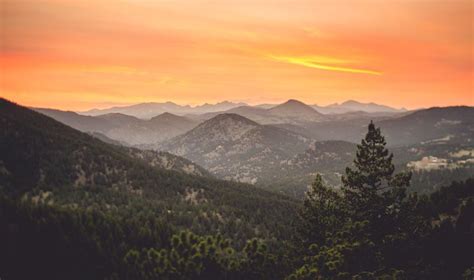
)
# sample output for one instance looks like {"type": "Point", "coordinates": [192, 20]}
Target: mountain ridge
{"type": "Point", "coordinates": [125, 128]}
{"type": "Point", "coordinates": [43, 160]}
{"type": "Point", "coordinates": [231, 146]}
{"type": "Point", "coordinates": [151, 109]}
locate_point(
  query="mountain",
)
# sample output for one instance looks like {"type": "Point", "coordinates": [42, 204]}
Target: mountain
{"type": "Point", "coordinates": [353, 106]}
{"type": "Point", "coordinates": [323, 156]}
{"type": "Point", "coordinates": [256, 114]}
{"type": "Point", "coordinates": [287, 109]}
{"type": "Point", "coordinates": [41, 148]}
{"type": "Point", "coordinates": [453, 124]}
{"type": "Point", "coordinates": [168, 161]}
{"type": "Point", "coordinates": [447, 124]}
{"type": "Point", "coordinates": [296, 111]}
{"type": "Point", "coordinates": [234, 147]}
{"type": "Point", "coordinates": [106, 139]}
{"type": "Point", "coordinates": [265, 106]}
{"type": "Point", "coordinates": [42, 160]}
{"type": "Point", "coordinates": [218, 107]}
{"type": "Point", "coordinates": [124, 128]}
{"type": "Point", "coordinates": [294, 174]}
{"type": "Point", "coordinates": [367, 107]}
{"type": "Point", "coordinates": [138, 132]}
{"type": "Point", "coordinates": [433, 164]}
{"type": "Point", "coordinates": [152, 109]}
{"type": "Point", "coordinates": [74, 207]}
{"type": "Point", "coordinates": [142, 110]}
{"type": "Point", "coordinates": [290, 112]}
{"type": "Point", "coordinates": [436, 144]}
{"type": "Point", "coordinates": [77, 121]}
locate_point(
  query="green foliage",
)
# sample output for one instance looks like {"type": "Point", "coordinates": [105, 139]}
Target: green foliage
{"type": "Point", "coordinates": [39, 155]}
{"type": "Point", "coordinates": [371, 229]}
{"type": "Point", "coordinates": [200, 257]}
{"type": "Point", "coordinates": [130, 220]}
{"type": "Point", "coordinates": [372, 186]}
{"type": "Point", "coordinates": [321, 214]}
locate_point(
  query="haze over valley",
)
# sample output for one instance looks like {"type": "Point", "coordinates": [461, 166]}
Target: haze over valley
{"type": "Point", "coordinates": [273, 145]}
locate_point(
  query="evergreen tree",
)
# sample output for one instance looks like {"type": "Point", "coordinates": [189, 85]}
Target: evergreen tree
{"type": "Point", "coordinates": [371, 188]}
{"type": "Point", "coordinates": [321, 214]}
{"type": "Point", "coordinates": [358, 233]}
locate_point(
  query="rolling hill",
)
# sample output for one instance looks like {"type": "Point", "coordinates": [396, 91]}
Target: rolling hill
{"type": "Point", "coordinates": [354, 106]}
{"type": "Point", "coordinates": [124, 128]}
{"type": "Point", "coordinates": [448, 124]}
{"type": "Point", "coordinates": [152, 109]}
{"type": "Point", "coordinates": [289, 112]}
{"type": "Point", "coordinates": [236, 148]}
{"type": "Point", "coordinates": [43, 160]}
{"type": "Point", "coordinates": [294, 111]}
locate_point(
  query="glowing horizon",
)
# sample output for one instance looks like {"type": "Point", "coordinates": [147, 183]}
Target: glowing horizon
{"type": "Point", "coordinates": [76, 56]}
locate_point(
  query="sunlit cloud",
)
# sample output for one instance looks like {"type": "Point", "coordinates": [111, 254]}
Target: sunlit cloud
{"type": "Point", "coordinates": [113, 70]}
{"type": "Point", "coordinates": [324, 63]}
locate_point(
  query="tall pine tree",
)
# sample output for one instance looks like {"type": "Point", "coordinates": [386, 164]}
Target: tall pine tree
{"type": "Point", "coordinates": [371, 187]}
{"type": "Point", "coordinates": [357, 233]}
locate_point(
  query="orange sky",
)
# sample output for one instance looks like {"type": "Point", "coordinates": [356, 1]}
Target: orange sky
{"type": "Point", "coordinates": [80, 54]}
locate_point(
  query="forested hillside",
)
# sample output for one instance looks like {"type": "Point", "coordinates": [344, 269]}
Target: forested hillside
{"type": "Point", "coordinates": [73, 207]}
{"type": "Point", "coordinates": [46, 162]}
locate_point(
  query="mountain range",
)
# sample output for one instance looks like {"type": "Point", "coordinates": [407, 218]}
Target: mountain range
{"type": "Point", "coordinates": [124, 128]}
{"type": "Point", "coordinates": [43, 160]}
{"type": "Point", "coordinates": [151, 109]}
{"type": "Point", "coordinates": [283, 145]}
{"type": "Point", "coordinates": [354, 106]}
{"type": "Point", "coordinates": [290, 112]}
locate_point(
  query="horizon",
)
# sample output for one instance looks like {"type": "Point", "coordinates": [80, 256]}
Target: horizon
{"type": "Point", "coordinates": [107, 106]}
{"type": "Point", "coordinates": [74, 56]}
{"type": "Point", "coordinates": [194, 105]}
{"type": "Point", "coordinates": [232, 102]}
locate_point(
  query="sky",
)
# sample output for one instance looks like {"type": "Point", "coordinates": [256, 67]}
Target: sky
{"type": "Point", "coordinates": [81, 54]}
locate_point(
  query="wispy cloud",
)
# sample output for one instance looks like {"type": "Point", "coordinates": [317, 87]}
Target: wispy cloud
{"type": "Point", "coordinates": [324, 63]}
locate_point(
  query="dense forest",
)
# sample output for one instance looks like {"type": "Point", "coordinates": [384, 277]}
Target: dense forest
{"type": "Point", "coordinates": [73, 207]}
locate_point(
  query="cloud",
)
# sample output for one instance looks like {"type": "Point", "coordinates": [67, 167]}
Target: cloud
{"type": "Point", "coordinates": [324, 63]}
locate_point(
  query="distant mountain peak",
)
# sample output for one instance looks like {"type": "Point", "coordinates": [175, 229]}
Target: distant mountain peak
{"type": "Point", "coordinates": [294, 102]}
{"type": "Point", "coordinates": [354, 105]}
{"type": "Point", "coordinates": [295, 109]}
{"type": "Point", "coordinates": [165, 115]}
{"type": "Point", "coordinates": [290, 101]}
{"type": "Point", "coordinates": [223, 127]}
{"type": "Point", "coordinates": [231, 117]}
{"type": "Point", "coordinates": [171, 119]}
{"type": "Point", "coordinates": [151, 109]}
{"type": "Point", "coordinates": [225, 102]}
{"type": "Point", "coordinates": [350, 102]}
{"type": "Point", "coordinates": [116, 115]}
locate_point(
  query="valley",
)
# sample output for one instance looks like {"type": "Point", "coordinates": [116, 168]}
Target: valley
{"type": "Point", "coordinates": [281, 147]}
{"type": "Point", "coordinates": [226, 190]}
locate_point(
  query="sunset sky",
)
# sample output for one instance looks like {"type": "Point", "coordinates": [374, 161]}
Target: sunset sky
{"type": "Point", "coordinates": [77, 55]}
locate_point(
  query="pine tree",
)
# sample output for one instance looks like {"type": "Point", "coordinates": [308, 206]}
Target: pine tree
{"type": "Point", "coordinates": [321, 215]}
{"type": "Point", "coordinates": [371, 188]}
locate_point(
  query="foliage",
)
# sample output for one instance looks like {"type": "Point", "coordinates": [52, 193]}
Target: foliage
{"type": "Point", "coordinates": [371, 229]}
{"type": "Point", "coordinates": [130, 220]}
